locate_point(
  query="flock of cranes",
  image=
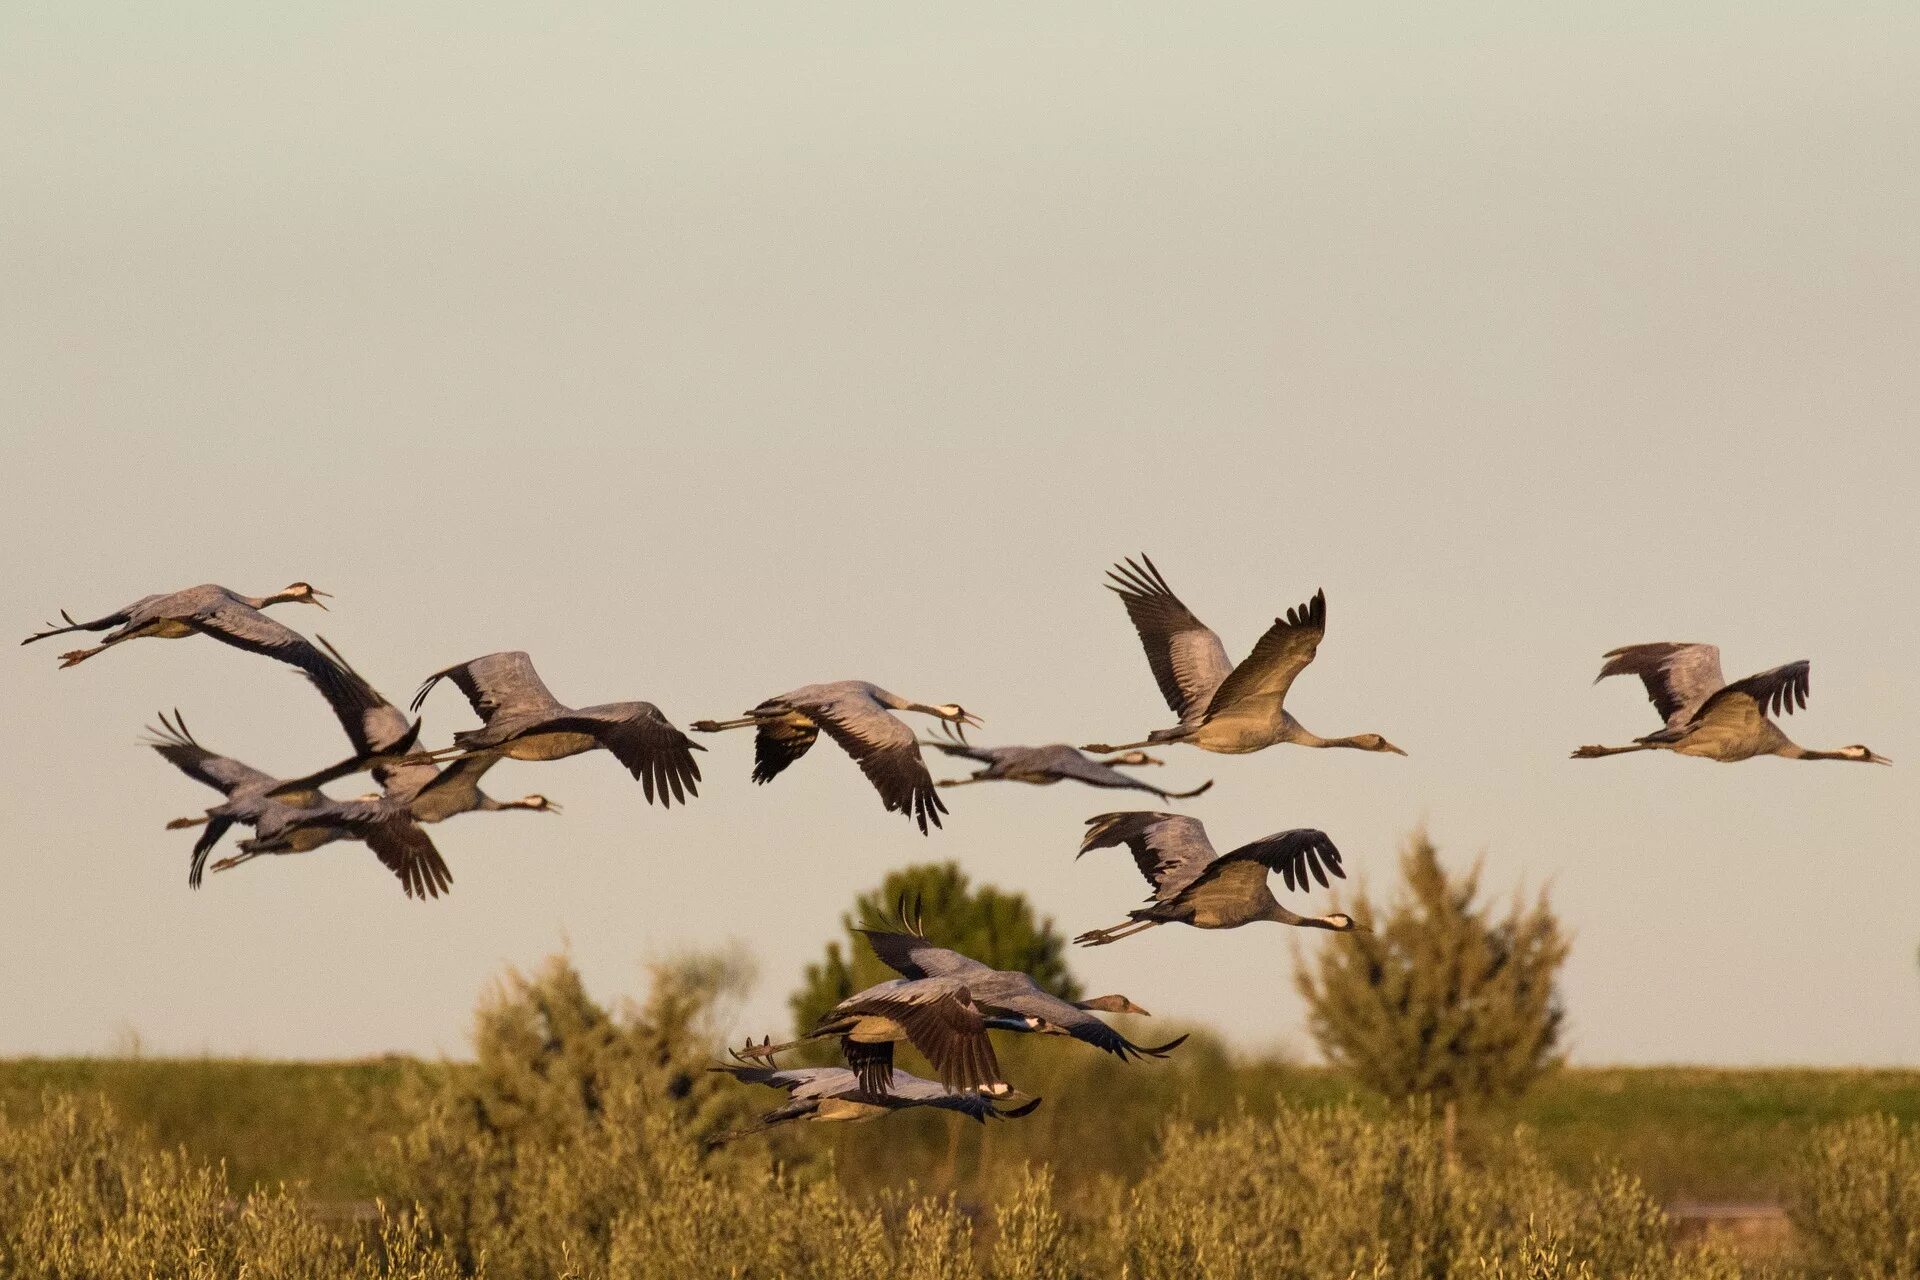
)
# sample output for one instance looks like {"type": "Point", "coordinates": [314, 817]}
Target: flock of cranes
{"type": "Point", "coordinates": [944, 1003]}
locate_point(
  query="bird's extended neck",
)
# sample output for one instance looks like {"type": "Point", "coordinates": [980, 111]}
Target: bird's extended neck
{"type": "Point", "coordinates": [1794, 751]}
{"type": "Point", "coordinates": [1280, 915]}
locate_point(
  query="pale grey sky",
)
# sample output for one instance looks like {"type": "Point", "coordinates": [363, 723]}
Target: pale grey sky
{"type": "Point", "coordinates": [704, 354]}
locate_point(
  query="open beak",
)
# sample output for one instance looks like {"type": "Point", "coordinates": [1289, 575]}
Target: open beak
{"type": "Point", "coordinates": [314, 598]}
{"type": "Point", "coordinates": [1872, 758]}
{"type": "Point", "coordinates": [552, 807]}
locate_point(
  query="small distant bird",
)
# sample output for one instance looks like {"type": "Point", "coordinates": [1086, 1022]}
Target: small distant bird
{"type": "Point", "coordinates": [205, 610]}
{"type": "Point", "coordinates": [1222, 707]}
{"type": "Point", "coordinates": [1011, 999]}
{"type": "Point", "coordinates": [1708, 717]}
{"type": "Point", "coordinates": [834, 1094]}
{"type": "Point", "coordinates": [1194, 885]}
{"type": "Point", "coordinates": [859, 716]}
{"type": "Point", "coordinates": [251, 795]}
{"type": "Point", "coordinates": [938, 1016]}
{"type": "Point", "coordinates": [1057, 762]}
{"type": "Point", "coordinates": [523, 721]}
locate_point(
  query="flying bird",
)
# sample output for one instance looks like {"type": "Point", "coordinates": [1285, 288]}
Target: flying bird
{"type": "Point", "coordinates": [211, 610]}
{"type": "Point", "coordinates": [383, 739]}
{"type": "Point", "coordinates": [1222, 707]}
{"type": "Point", "coordinates": [859, 716]}
{"type": "Point", "coordinates": [834, 1094]}
{"type": "Point", "coordinates": [523, 721]}
{"type": "Point", "coordinates": [1194, 885]}
{"type": "Point", "coordinates": [1011, 1000]}
{"type": "Point", "coordinates": [384, 825]}
{"type": "Point", "coordinates": [938, 1016]}
{"type": "Point", "coordinates": [1708, 717]}
{"type": "Point", "coordinates": [251, 795]}
{"type": "Point", "coordinates": [1057, 762]}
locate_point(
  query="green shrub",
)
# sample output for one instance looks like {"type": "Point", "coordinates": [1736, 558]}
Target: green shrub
{"type": "Point", "coordinates": [1855, 1201]}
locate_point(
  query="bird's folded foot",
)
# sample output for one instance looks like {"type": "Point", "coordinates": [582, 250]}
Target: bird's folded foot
{"type": "Point", "coordinates": [73, 657]}
{"type": "Point", "coordinates": [181, 824]}
{"type": "Point", "coordinates": [1590, 753]}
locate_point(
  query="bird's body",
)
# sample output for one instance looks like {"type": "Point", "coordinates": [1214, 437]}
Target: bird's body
{"type": "Point", "coordinates": [1223, 708]}
{"type": "Point", "coordinates": [1194, 885]}
{"type": "Point", "coordinates": [1710, 718]}
{"type": "Point", "coordinates": [252, 796]}
{"type": "Point", "coordinates": [836, 1095]}
{"type": "Point", "coordinates": [1012, 1000]}
{"type": "Point", "coordinates": [384, 825]}
{"type": "Point", "coordinates": [210, 610]}
{"type": "Point", "coordinates": [859, 716]}
{"type": "Point", "coordinates": [524, 721]}
{"type": "Point", "coordinates": [1056, 762]}
{"type": "Point", "coordinates": [937, 1015]}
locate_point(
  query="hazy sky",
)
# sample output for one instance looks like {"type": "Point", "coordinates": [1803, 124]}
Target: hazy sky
{"type": "Point", "coordinates": [708, 353]}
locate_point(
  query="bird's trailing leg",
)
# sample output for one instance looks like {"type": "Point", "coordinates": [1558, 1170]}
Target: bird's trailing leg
{"type": "Point", "coordinates": [718, 726]}
{"type": "Point", "coordinates": [230, 862]}
{"type": "Point", "coordinates": [1101, 748]}
{"type": "Point", "coordinates": [74, 657]}
{"type": "Point", "coordinates": [1594, 753]}
{"type": "Point", "coordinates": [960, 782]}
{"type": "Point", "coordinates": [181, 824]}
{"type": "Point", "coordinates": [1100, 937]}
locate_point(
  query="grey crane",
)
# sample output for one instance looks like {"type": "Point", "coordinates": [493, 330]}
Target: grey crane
{"type": "Point", "coordinates": [835, 1095]}
{"type": "Point", "coordinates": [382, 739]}
{"type": "Point", "coordinates": [1222, 707]}
{"type": "Point", "coordinates": [383, 824]}
{"type": "Point", "coordinates": [522, 720]}
{"type": "Point", "coordinates": [1011, 999]}
{"type": "Point", "coordinates": [938, 1016]}
{"type": "Point", "coordinates": [1194, 885]}
{"type": "Point", "coordinates": [1710, 718]}
{"type": "Point", "coordinates": [210, 610]}
{"type": "Point", "coordinates": [859, 716]}
{"type": "Point", "coordinates": [1056, 762]}
{"type": "Point", "coordinates": [251, 795]}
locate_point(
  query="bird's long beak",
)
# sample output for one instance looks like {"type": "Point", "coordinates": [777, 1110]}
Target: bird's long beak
{"type": "Point", "coordinates": [1875, 758]}
{"type": "Point", "coordinates": [552, 807]}
{"type": "Point", "coordinates": [1388, 746]}
{"type": "Point", "coordinates": [313, 597]}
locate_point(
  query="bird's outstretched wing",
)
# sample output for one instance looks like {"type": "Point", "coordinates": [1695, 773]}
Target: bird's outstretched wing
{"type": "Point", "coordinates": [777, 743]}
{"type": "Point", "coordinates": [1679, 677]}
{"type": "Point", "coordinates": [1187, 658]}
{"type": "Point", "coordinates": [1171, 851]}
{"type": "Point", "coordinates": [179, 749]}
{"type": "Point", "coordinates": [1779, 692]}
{"type": "Point", "coordinates": [940, 1019]}
{"type": "Point", "coordinates": [654, 751]}
{"type": "Point", "coordinates": [233, 622]}
{"type": "Point", "coordinates": [405, 849]}
{"type": "Point", "coordinates": [1073, 766]}
{"type": "Point", "coordinates": [496, 683]}
{"type": "Point", "coordinates": [953, 745]}
{"type": "Point", "coordinates": [1296, 855]}
{"type": "Point", "coordinates": [910, 955]}
{"type": "Point", "coordinates": [454, 789]}
{"type": "Point", "coordinates": [886, 751]}
{"type": "Point", "coordinates": [1279, 656]}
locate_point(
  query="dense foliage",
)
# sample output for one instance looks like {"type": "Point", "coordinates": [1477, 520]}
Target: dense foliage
{"type": "Point", "coordinates": [574, 1149]}
{"type": "Point", "coordinates": [1436, 997]}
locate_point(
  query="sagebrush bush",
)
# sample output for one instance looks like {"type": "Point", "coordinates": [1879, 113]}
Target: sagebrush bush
{"type": "Point", "coordinates": [1856, 1201]}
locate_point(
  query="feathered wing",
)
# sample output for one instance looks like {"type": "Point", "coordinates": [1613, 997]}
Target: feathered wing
{"type": "Point", "coordinates": [241, 625]}
{"type": "Point", "coordinates": [1296, 855]}
{"type": "Point", "coordinates": [1679, 678]}
{"type": "Point", "coordinates": [495, 684]}
{"type": "Point", "coordinates": [646, 742]}
{"type": "Point", "coordinates": [1171, 851]}
{"type": "Point", "coordinates": [1081, 1024]}
{"type": "Point", "coordinates": [379, 731]}
{"type": "Point", "coordinates": [1188, 660]}
{"type": "Point", "coordinates": [963, 750]}
{"type": "Point", "coordinates": [940, 1019]}
{"type": "Point", "coordinates": [407, 851]}
{"type": "Point", "coordinates": [1073, 766]}
{"type": "Point", "coordinates": [777, 743]}
{"type": "Point", "coordinates": [911, 956]}
{"type": "Point", "coordinates": [886, 751]}
{"type": "Point", "coordinates": [1778, 692]}
{"type": "Point", "coordinates": [1277, 658]}
{"type": "Point", "coordinates": [454, 789]}
{"type": "Point", "coordinates": [223, 773]}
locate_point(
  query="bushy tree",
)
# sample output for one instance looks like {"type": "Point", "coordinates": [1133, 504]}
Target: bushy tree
{"type": "Point", "coordinates": [1437, 996]}
{"type": "Point", "coordinates": [993, 926]}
